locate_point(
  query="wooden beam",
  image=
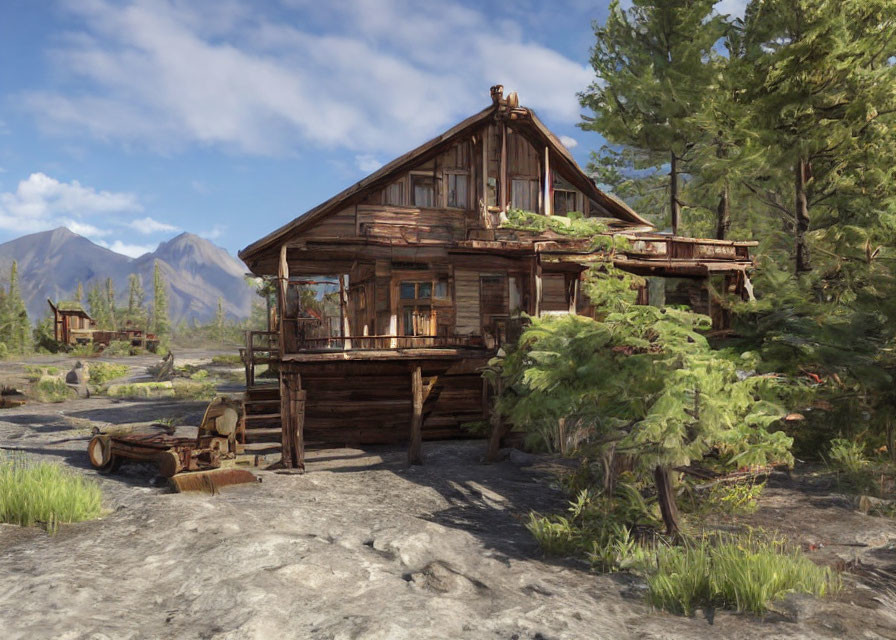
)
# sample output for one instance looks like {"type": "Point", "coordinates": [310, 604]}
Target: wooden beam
{"type": "Point", "coordinates": [499, 427]}
{"type": "Point", "coordinates": [538, 287]}
{"type": "Point", "coordinates": [503, 167]}
{"type": "Point", "coordinates": [483, 210]}
{"type": "Point", "coordinates": [292, 420]}
{"type": "Point", "coordinates": [343, 312]}
{"type": "Point", "coordinates": [415, 454]}
{"type": "Point", "coordinates": [548, 200]}
{"type": "Point", "coordinates": [282, 282]}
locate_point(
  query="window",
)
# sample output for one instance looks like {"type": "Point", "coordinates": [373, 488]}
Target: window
{"type": "Point", "coordinates": [457, 190]}
{"type": "Point", "coordinates": [524, 195]}
{"type": "Point", "coordinates": [423, 190]}
{"type": "Point", "coordinates": [564, 202]}
{"type": "Point", "coordinates": [394, 194]}
{"type": "Point", "coordinates": [416, 300]}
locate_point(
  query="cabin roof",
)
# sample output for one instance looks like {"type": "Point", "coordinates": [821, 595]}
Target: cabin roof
{"type": "Point", "coordinates": [70, 308]}
{"type": "Point", "coordinates": [383, 175]}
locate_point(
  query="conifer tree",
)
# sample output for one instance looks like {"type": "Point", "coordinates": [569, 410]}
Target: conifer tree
{"type": "Point", "coordinates": [79, 293]}
{"type": "Point", "coordinates": [136, 301]}
{"type": "Point", "coordinates": [654, 64]}
{"type": "Point", "coordinates": [110, 304]}
{"type": "Point", "coordinates": [15, 327]}
{"type": "Point", "coordinates": [220, 320]}
{"type": "Point", "coordinates": [161, 323]}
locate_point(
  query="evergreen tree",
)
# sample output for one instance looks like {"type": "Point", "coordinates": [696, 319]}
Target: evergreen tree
{"type": "Point", "coordinates": [136, 301]}
{"type": "Point", "coordinates": [15, 327]}
{"type": "Point", "coordinates": [98, 306]}
{"type": "Point", "coordinates": [79, 294]}
{"type": "Point", "coordinates": [654, 65]}
{"type": "Point", "coordinates": [161, 323]}
{"type": "Point", "coordinates": [110, 304]}
{"type": "Point", "coordinates": [220, 320]}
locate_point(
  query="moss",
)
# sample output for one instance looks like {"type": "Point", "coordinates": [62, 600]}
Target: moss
{"type": "Point", "coordinates": [102, 372]}
{"type": "Point", "coordinates": [194, 389]}
{"type": "Point", "coordinates": [141, 390]}
{"type": "Point", "coordinates": [230, 359]}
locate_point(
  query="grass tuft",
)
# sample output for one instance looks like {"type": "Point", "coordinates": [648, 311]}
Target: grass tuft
{"type": "Point", "coordinates": [46, 494]}
{"type": "Point", "coordinates": [51, 389]}
{"type": "Point", "coordinates": [102, 372]}
{"type": "Point", "coordinates": [746, 573]}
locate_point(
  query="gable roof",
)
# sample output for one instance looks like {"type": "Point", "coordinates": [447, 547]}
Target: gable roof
{"type": "Point", "coordinates": [384, 175]}
{"type": "Point", "coordinates": [71, 307]}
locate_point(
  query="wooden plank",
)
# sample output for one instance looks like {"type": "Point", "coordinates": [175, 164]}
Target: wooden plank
{"type": "Point", "coordinates": [415, 454]}
{"type": "Point", "coordinates": [503, 202]}
{"type": "Point", "coordinates": [548, 200]}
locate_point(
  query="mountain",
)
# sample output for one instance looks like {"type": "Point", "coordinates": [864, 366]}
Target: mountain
{"type": "Point", "coordinates": [52, 263]}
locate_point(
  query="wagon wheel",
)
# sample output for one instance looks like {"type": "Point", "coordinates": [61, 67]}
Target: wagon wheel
{"type": "Point", "coordinates": [101, 457]}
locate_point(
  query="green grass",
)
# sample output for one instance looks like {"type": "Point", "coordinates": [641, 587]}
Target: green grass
{"type": "Point", "coordinates": [745, 573]}
{"type": "Point", "coordinates": [230, 359]}
{"type": "Point", "coordinates": [102, 372]}
{"type": "Point", "coordinates": [46, 494]}
{"type": "Point", "coordinates": [35, 372]}
{"type": "Point", "coordinates": [141, 390]}
{"type": "Point", "coordinates": [194, 389]}
{"type": "Point", "coordinates": [50, 389]}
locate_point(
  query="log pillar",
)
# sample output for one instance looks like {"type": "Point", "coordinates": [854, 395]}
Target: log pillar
{"type": "Point", "coordinates": [415, 454]}
{"type": "Point", "coordinates": [499, 427]}
{"type": "Point", "coordinates": [292, 420]}
{"type": "Point", "coordinates": [548, 200]}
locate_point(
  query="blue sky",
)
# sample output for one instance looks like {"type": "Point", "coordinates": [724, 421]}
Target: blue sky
{"type": "Point", "coordinates": [129, 122]}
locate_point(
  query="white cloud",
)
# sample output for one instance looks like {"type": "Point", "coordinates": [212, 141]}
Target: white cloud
{"type": "Point", "coordinates": [163, 74]}
{"type": "Point", "coordinates": [149, 225]}
{"type": "Point", "coordinates": [130, 250]}
{"type": "Point", "coordinates": [214, 233]}
{"type": "Point", "coordinates": [569, 142]}
{"type": "Point", "coordinates": [367, 163]}
{"type": "Point", "coordinates": [41, 202]}
{"type": "Point", "coordinates": [84, 229]}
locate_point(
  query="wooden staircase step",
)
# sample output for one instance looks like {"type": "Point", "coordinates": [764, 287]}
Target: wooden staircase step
{"type": "Point", "coordinates": [261, 416]}
{"type": "Point", "coordinates": [255, 447]}
{"type": "Point", "coordinates": [263, 432]}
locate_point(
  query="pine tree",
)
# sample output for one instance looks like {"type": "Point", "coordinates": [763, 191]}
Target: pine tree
{"type": "Point", "coordinates": [822, 109]}
{"type": "Point", "coordinates": [110, 304]}
{"type": "Point", "coordinates": [161, 323]}
{"type": "Point", "coordinates": [15, 327]}
{"type": "Point", "coordinates": [220, 320]}
{"type": "Point", "coordinates": [654, 65]}
{"type": "Point", "coordinates": [79, 294]}
{"type": "Point", "coordinates": [136, 301]}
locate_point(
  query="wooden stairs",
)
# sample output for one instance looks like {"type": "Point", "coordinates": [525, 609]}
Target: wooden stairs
{"type": "Point", "coordinates": [261, 422]}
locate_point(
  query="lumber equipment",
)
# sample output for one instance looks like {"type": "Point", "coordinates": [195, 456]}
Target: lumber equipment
{"type": "Point", "coordinates": [214, 458]}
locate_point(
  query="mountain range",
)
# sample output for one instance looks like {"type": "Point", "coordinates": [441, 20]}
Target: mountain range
{"type": "Point", "coordinates": [198, 272]}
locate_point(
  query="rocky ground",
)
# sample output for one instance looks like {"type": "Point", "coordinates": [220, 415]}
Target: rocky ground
{"type": "Point", "coordinates": [364, 547]}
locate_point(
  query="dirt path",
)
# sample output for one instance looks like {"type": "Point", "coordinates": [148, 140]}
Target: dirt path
{"type": "Point", "coordinates": [359, 547]}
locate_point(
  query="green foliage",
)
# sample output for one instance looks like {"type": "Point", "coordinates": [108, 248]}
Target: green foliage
{"type": "Point", "coordinates": [136, 312]}
{"type": "Point", "coordinates": [161, 323]}
{"type": "Point", "coordinates": [229, 359]}
{"type": "Point", "coordinates": [573, 226]}
{"type": "Point", "coordinates": [45, 494]}
{"type": "Point", "coordinates": [51, 389]}
{"type": "Point", "coordinates": [745, 573]}
{"type": "Point", "coordinates": [35, 372]}
{"type": "Point", "coordinates": [194, 389]}
{"type": "Point", "coordinates": [103, 372]}
{"type": "Point", "coordinates": [141, 390]}
{"type": "Point", "coordinates": [15, 328]}
{"type": "Point", "coordinates": [731, 499]}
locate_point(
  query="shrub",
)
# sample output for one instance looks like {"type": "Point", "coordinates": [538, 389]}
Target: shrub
{"type": "Point", "coordinates": [194, 389]}
{"type": "Point", "coordinates": [118, 348]}
{"type": "Point", "coordinates": [141, 390]}
{"type": "Point", "coordinates": [45, 493]}
{"type": "Point", "coordinates": [729, 499]}
{"type": "Point", "coordinates": [35, 372]}
{"type": "Point", "coordinates": [51, 389]}
{"type": "Point", "coordinates": [199, 376]}
{"type": "Point", "coordinates": [102, 372]}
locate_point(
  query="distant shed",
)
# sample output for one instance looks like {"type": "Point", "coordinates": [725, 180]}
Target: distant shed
{"type": "Point", "coordinates": [71, 323]}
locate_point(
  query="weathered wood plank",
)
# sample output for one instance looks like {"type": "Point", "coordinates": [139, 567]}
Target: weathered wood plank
{"type": "Point", "coordinates": [415, 453]}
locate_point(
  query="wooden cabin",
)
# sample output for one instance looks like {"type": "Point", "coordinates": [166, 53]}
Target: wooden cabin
{"type": "Point", "coordinates": [431, 282]}
{"type": "Point", "coordinates": [71, 323]}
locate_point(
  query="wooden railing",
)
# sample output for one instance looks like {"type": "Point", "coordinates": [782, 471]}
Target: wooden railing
{"type": "Point", "coordinates": [262, 347]}
{"type": "Point", "coordinates": [356, 343]}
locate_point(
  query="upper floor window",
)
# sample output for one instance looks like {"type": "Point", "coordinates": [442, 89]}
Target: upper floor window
{"type": "Point", "coordinates": [394, 194]}
{"type": "Point", "coordinates": [457, 194]}
{"type": "Point", "coordinates": [423, 191]}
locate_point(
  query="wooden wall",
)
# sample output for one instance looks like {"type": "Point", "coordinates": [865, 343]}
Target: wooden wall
{"type": "Point", "coordinates": [466, 298]}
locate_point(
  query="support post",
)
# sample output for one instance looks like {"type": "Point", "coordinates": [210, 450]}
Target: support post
{"type": "Point", "coordinates": [499, 427]}
{"type": "Point", "coordinates": [343, 311]}
{"type": "Point", "coordinates": [282, 281]}
{"type": "Point", "coordinates": [538, 287]}
{"type": "Point", "coordinates": [292, 420]}
{"type": "Point", "coordinates": [415, 454]}
{"type": "Point", "coordinates": [503, 167]}
{"type": "Point", "coordinates": [548, 200]}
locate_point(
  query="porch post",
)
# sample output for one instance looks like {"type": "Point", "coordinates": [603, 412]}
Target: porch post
{"type": "Point", "coordinates": [415, 455]}
{"type": "Point", "coordinates": [548, 201]}
{"type": "Point", "coordinates": [343, 311]}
